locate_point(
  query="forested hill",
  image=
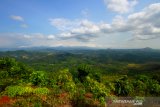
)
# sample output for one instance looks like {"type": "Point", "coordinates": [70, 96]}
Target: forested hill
{"type": "Point", "coordinates": [106, 60]}
{"type": "Point", "coordinates": [47, 78]}
{"type": "Point", "coordinates": [98, 55]}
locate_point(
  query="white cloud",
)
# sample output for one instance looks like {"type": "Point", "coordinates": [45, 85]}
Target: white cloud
{"type": "Point", "coordinates": [37, 39]}
{"type": "Point", "coordinates": [50, 37]}
{"type": "Point", "coordinates": [27, 36]}
{"type": "Point", "coordinates": [120, 6]}
{"type": "Point", "coordinates": [77, 29]}
{"type": "Point", "coordinates": [142, 25]}
{"type": "Point", "coordinates": [63, 24]}
{"type": "Point", "coordinates": [23, 39]}
{"type": "Point", "coordinates": [146, 24]}
{"type": "Point", "coordinates": [17, 18]}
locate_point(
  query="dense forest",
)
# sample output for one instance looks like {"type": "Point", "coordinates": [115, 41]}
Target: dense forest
{"type": "Point", "coordinates": [77, 78]}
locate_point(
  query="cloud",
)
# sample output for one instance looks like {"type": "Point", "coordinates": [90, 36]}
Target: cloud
{"type": "Point", "coordinates": [85, 31]}
{"type": "Point", "coordinates": [20, 40]}
{"type": "Point", "coordinates": [77, 29]}
{"type": "Point", "coordinates": [13, 40]}
{"type": "Point", "coordinates": [24, 25]}
{"type": "Point", "coordinates": [27, 36]}
{"type": "Point", "coordinates": [17, 18]}
{"type": "Point", "coordinates": [120, 6]}
{"type": "Point", "coordinates": [146, 24]}
{"type": "Point", "coordinates": [63, 24]}
{"type": "Point", "coordinates": [23, 39]}
{"type": "Point", "coordinates": [50, 37]}
{"type": "Point", "coordinates": [143, 25]}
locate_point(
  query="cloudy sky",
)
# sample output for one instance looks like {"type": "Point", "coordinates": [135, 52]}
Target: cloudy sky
{"type": "Point", "coordinates": [93, 23]}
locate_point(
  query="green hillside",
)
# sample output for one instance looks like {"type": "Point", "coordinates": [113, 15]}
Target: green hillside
{"type": "Point", "coordinates": [81, 78]}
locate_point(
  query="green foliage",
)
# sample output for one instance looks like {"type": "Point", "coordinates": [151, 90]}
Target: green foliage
{"type": "Point", "coordinates": [64, 76]}
{"type": "Point", "coordinates": [139, 88]}
{"type": "Point", "coordinates": [146, 86]}
{"type": "Point", "coordinates": [38, 104]}
{"type": "Point", "coordinates": [21, 103]}
{"type": "Point", "coordinates": [156, 77]}
{"type": "Point", "coordinates": [154, 88]}
{"type": "Point", "coordinates": [97, 76]}
{"type": "Point", "coordinates": [65, 82]}
{"type": "Point", "coordinates": [41, 91]}
{"type": "Point", "coordinates": [123, 87]}
{"type": "Point", "coordinates": [109, 85]}
{"type": "Point", "coordinates": [15, 70]}
{"type": "Point", "coordinates": [80, 91]}
{"type": "Point", "coordinates": [83, 71]}
{"type": "Point", "coordinates": [70, 87]}
{"type": "Point", "coordinates": [3, 74]}
{"type": "Point", "coordinates": [9, 67]}
{"type": "Point", "coordinates": [93, 73]}
{"type": "Point", "coordinates": [98, 89]}
{"type": "Point", "coordinates": [39, 78]}
{"type": "Point", "coordinates": [18, 90]}
{"type": "Point", "coordinates": [14, 91]}
{"type": "Point", "coordinates": [143, 78]}
{"type": "Point", "coordinates": [6, 63]}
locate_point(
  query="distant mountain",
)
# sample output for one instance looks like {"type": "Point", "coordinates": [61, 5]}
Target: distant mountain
{"type": "Point", "coordinates": [42, 48]}
{"type": "Point", "coordinates": [69, 48]}
{"type": "Point", "coordinates": [147, 48]}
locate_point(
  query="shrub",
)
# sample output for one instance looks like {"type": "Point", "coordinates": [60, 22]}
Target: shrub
{"type": "Point", "coordinates": [41, 91]}
{"type": "Point", "coordinates": [13, 91]}
{"type": "Point", "coordinates": [18, 90]}
{"type": "Point", "coordinates": [39, 78]}
{"type": "Point", "coordinates": [70, 87]}
{"type": "Point", "coordinates": [83, 71]}
{"type": "Point", "coordinates": [3, 74]}
{"type": "Point", "coordinates": [123, 87]}
{"type": "Point", "coordinates": [98, 89]}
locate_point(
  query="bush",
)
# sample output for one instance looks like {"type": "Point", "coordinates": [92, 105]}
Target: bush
{"type": "Point", "coordinates": [13, 91]}
{"type": "Point", "coordinates": [39, 78]}
{"type": "Point", "coordinates": [18, 90]}
{"type": "Point", "coordinates": [98, 90]}
{"type": "Point", "coordinates": [147, 86]}
{"type": "Point", "coordinates": [123, 87]}
{"type": "Point", "coordinates": [64, 82]}
{"type": "Point", "coordinates": [83, 71]}
{"type": "Point", "coordinates": [70, 87]}
{"type": "Point", "coordinates": [41, 91]}
{"type": "Point", "coordinates": [154, 88]}
{"type": "Point", "coordinates": [3, 74]}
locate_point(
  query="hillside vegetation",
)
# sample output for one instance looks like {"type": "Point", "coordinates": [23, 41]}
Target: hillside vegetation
{"type": "Point", "coordinates": [76, 78]}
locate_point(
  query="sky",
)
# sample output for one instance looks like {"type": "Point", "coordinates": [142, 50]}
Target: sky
{"type": "Point", "coordinates": [92, 23]}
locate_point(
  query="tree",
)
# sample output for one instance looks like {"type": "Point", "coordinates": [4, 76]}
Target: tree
{"type": "Point", "coordinates": [65, 81]}
{"type": "Point", "coordinates": [39, 78]}
{"type": "Point", "coordinates": [146, 86]}
{"type": "Point", "coordinates": [98, 90]}
{"type": "Point", "coordinates": [123, 87]}
{"type": "Point", "coordinates": [83, 71]}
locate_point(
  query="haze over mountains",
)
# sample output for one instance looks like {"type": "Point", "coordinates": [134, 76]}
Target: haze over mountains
{"type": "Point", "coordinates": [69, 48]}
